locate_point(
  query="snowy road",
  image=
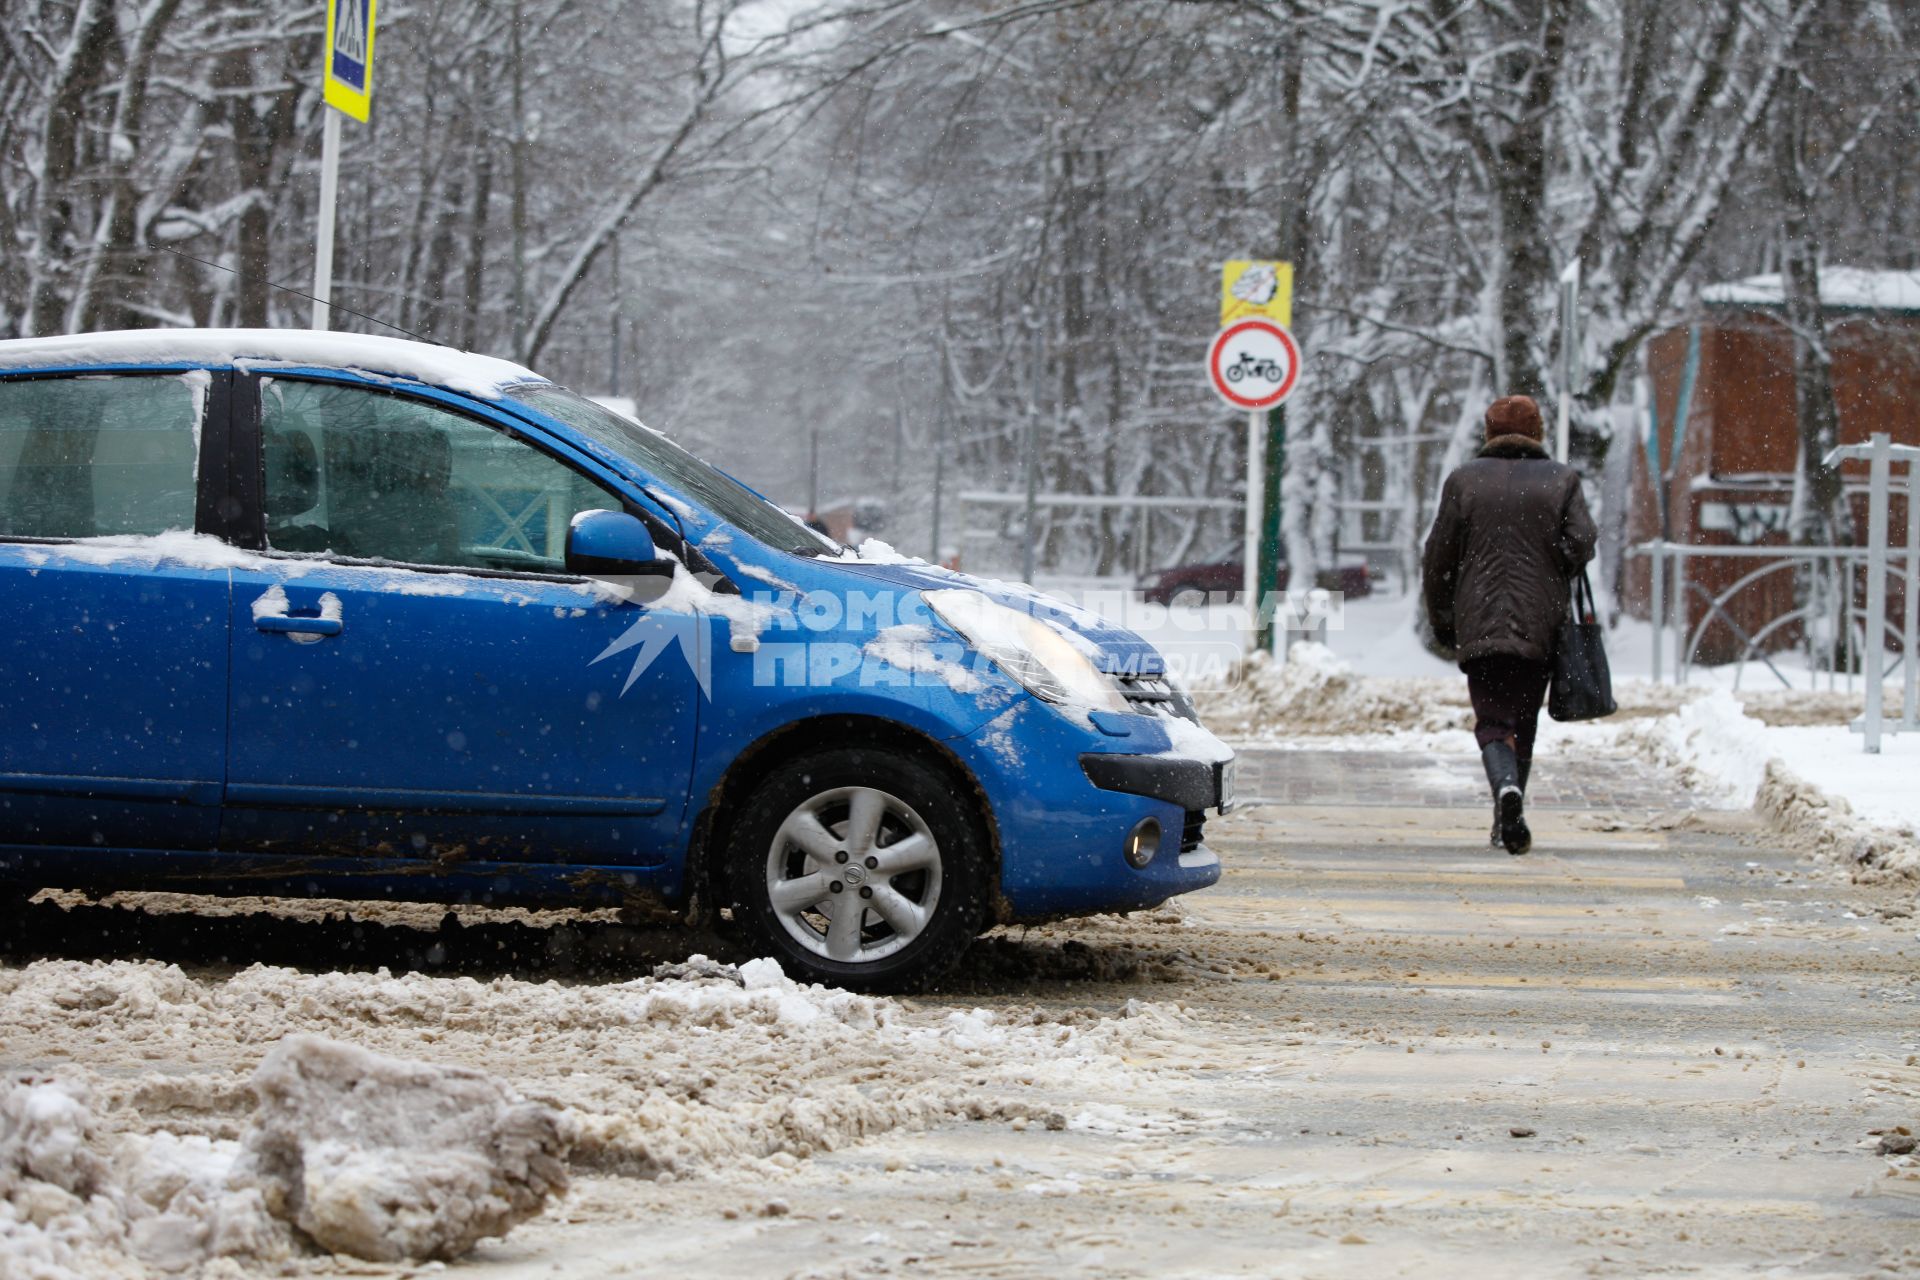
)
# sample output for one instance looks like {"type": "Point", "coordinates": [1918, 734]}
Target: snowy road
{"type": "Point", "coordinates": [1371, 1007]}
{"type": "Point", "coordinates": [1375, 1049]}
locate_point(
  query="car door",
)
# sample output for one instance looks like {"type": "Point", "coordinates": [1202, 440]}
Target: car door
{"type": "Point", "coordinates": [113, 648]}
{"type": "Point", "coordinates": [416, 676]}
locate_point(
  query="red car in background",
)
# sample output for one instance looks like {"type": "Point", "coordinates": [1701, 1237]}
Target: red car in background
{"type": "Point", "coordinates": [1222, 577]}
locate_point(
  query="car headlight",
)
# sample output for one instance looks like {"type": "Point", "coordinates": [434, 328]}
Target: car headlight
{"type": "Point", "coordinates": [1029, 649]}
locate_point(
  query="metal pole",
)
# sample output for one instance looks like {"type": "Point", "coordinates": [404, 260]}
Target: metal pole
{"type": "Point", "coordinates": [1033, 446]}
{"type": "Point", "coordinates": [899, 441]}
{"type": "Point", "coordinates": [1880, 475]}
{"type": "Point", "coordinates": [1658, 613]}
{"type": "Point", "coordinates": [1275, 469]}
{"type": "Point", "coordinates": [1910, 627]}
{"type": "Point", "coordinates": [1256, 508]}
{"type": "Point", "coordinates": [1033, 484]}
{"type": "Point", "coordinates": [613, 356]}
{"type": "Point", "coordinates": [329, 197]}
{"type": "Point", "coordinates": [1680, 654]}
{"type": "Point", "coordinates": [1569, 300]}
{"type": "Point", "coordinates": [939, 476]}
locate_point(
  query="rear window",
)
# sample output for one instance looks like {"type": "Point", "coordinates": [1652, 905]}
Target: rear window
{"type": "Point", "coordinates": [88, 457]}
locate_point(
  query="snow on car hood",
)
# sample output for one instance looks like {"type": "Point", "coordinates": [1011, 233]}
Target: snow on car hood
{"type": "Point", "coordinates": [1118, 650]}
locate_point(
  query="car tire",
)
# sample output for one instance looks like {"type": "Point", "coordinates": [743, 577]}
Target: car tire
{"type": "Point", "coordinates": [869, 826]}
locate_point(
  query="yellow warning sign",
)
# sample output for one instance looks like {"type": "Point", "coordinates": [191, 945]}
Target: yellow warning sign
{"type": "Point", "coordinates": [1251, 288]}
{"type": "Point", "coordinates": [348, 75]}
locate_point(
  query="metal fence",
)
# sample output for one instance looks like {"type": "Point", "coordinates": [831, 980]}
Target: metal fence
{"type": "Point", "coordinates": [1841, 594]}
{"type": "Point", "coordinates": [1833, 576]}
{"type": "Point", "coordinates": [1840, 616]}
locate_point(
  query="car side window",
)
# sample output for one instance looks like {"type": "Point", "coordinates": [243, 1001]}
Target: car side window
{"type": "Point", "coordinates": [369, 475]}
{"type": "Point", "coordinates": [92, 456]}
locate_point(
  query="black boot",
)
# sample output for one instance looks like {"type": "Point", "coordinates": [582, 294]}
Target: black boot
{"type": "Point", "coordinates": [1503, 776]}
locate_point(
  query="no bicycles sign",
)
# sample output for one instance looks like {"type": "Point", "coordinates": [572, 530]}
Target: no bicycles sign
{"type": "Point", "coordinates": [1254, 363]}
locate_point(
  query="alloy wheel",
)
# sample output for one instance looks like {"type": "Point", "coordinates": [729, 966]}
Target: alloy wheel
{"type": "Point", "coordinates": [853, 874]}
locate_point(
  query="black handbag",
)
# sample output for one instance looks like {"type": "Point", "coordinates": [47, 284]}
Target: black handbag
{"type": "Point", "coordinates": [1582, 686]}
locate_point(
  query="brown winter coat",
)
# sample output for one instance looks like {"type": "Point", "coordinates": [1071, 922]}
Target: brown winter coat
{"type": "Point", "coordinates": [1512, 530]}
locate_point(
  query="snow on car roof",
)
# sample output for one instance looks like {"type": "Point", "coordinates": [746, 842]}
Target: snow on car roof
{"type": "Point", "coordinates": [393, 357]}
{"type": "Point", "coordinates": [1848, 287]}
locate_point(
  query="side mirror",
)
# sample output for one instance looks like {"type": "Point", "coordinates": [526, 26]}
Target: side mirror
{"type": "Point", "coordinates": [613, 544]}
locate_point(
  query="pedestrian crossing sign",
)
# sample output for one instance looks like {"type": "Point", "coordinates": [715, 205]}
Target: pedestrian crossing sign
{"type": "Point", "coordinates": [349, 57]}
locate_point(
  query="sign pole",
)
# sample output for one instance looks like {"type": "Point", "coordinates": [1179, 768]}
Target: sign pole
{"type": "Point", "coordinates": [346, 83]}
{"type": "Point", "coordinates": [329, 198]}
{"type": "Point", "coordinates": [1254, 364]}
{"type": "Point", "coordinates": [1269, 586]}
{"type": "Point", "coordinates": [1256, 508]}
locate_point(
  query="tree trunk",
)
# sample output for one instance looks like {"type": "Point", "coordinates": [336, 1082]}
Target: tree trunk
{"type": "Point", "coordinates": [1519, 163]}
{"type": "Point", "coordinates": [81, 67]}
{"type": "Point", "coordinates": [1820, 514]}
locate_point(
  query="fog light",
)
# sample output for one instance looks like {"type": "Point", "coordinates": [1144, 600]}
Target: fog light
{"type": "Point", "coordinates": [1143, 842]}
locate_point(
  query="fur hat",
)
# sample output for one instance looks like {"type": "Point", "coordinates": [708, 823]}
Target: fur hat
{"type": "Point", "coordinates": [1514, 416]}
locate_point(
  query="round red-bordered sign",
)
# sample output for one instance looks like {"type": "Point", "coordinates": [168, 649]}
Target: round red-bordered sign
{"type": "Point", "coordinates": [1254, 363]}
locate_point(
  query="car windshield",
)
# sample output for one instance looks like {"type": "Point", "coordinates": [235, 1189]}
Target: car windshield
{"type": "Point", "coordinates": [658, 456]}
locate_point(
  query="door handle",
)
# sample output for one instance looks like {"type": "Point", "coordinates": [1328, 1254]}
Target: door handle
{"type": "Point", "coordinates": [272, 614]}
{"type": "Point", "coordinates": [281, 623]}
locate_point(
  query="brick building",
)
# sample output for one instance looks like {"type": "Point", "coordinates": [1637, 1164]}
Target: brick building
{"type": "Point", "coordinates": [1733, 483]}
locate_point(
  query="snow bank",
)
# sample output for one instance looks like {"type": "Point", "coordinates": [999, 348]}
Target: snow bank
{"type": "Point", "coordinates": [1721, 750]}
{"type": "Point", "coordinates": [394, 1160]}
{"type": "Point", "coordinates": [1827, 827]}
{"type": "Point", "coordinates": [705, 1066]}
{"type": "Point", "coordinates": [1715, 746]}
{"type": "Point", "coordinates": [75, 1202]}
{"type": "Point", "coordinates": [1315, 692]}
{"type": "Point", "coordinates": [366, 1155]}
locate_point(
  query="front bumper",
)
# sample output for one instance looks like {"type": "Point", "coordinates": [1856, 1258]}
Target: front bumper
{"type": "Point", "coordinates": [1191, 784]}
{"type": "Point", "coordinates": [1062, 833]}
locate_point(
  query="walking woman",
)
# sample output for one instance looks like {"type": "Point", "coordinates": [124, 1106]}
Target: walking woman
{"type": "Point", "coordinates": [1512, 529]}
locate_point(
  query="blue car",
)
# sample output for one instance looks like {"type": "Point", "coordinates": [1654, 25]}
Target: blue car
{"type": "Point", "coordinates": [310, 614]}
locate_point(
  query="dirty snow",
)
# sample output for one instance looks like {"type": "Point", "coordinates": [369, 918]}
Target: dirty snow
{"type": "Point", "coordinates": [348, 1150]}
{"type": "Point", "coordinates": [387, 1159]}
{"type": "Point", "coordinates": [369, 1154]}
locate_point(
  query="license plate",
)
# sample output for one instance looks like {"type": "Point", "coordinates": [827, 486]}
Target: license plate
{"type": "Point", "coordinates": [1226, 785]}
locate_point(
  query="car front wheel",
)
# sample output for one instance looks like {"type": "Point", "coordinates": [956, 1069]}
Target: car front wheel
{"type": "Point", "coordinates": [860, 868]}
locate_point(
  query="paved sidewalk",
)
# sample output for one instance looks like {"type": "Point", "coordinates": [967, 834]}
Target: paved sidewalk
{"type": "Point", "coordinates": [1311, 776]}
